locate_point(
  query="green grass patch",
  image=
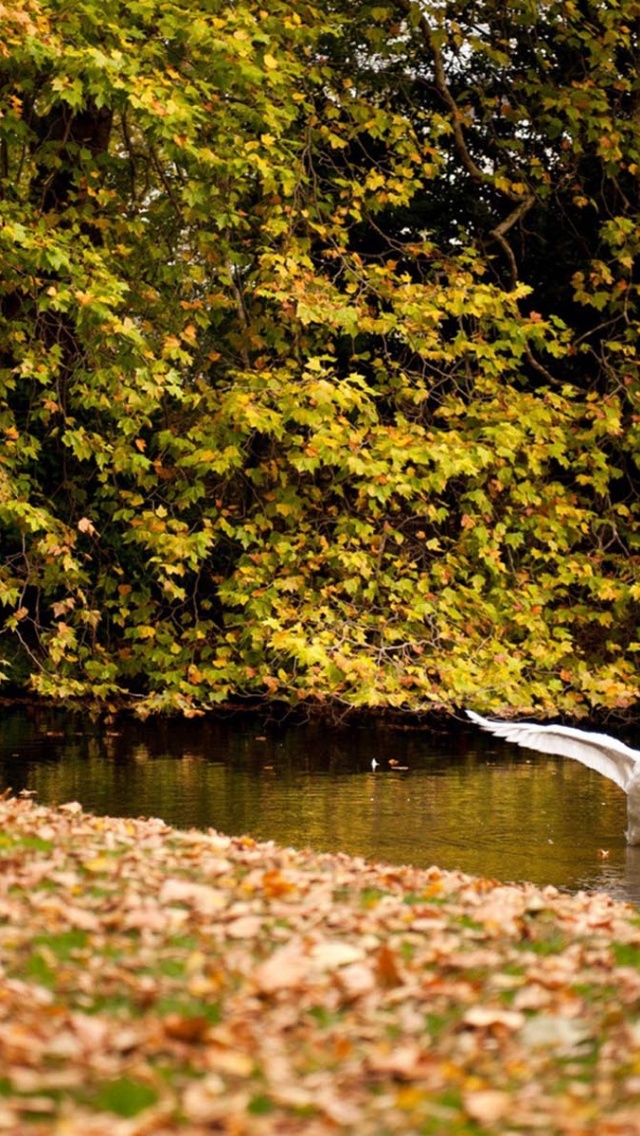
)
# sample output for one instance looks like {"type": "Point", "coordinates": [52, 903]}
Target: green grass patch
{"type": "Point", "coordinates": [324, 1017]}
{"type": "Point", "coordinates": [47, 951]}
{"type": "Point", "coordinates": [436, 1024]}
{"type": "Point", "coordinates": [11, 841]}
{"type": "Point", "coordinates": [116, 1005]}
{"type": "Point", "coordinates": [626, 954]}
{"type": "Point", "coordinates": [189, 1008]}
{"type": "Point", "coordinates": [260, 1105]}
{"type": "Point", "coordinates": [371, 896]}
{"type": "Point", "coordinates": [124, 1097]}
{"type": "Point", "coordinates": [424, 899]}
{"type": "Point", "coordinates": [544, 937]}
{"type": "Point", "coordinates": [38, 969]}
{"type": "Point", "coordinates": [62, 944]}
{"type": "Point", "coordinates": [341, 894]}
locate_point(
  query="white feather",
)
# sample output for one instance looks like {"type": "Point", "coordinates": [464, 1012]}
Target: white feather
{"type": "Point", "coordinates": [611, 758]}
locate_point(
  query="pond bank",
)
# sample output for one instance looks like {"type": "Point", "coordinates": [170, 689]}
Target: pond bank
{"type": "Point", "coordinates": [332, 713]}
{"type": "Point", "coordinates": [155, 981]}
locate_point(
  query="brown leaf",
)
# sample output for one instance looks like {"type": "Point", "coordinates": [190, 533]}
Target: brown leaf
{"type": "Point", "coordinates": [332, 954]}
{"type": "Point", "coordinates": [356, 980]}
{"type": "Point", "coordinates": [181, 1028]}
{"type": "Point", "coordinates": [246, 927]}
{"type": "Point", "coordinates": [204, 898]}
{"type": "Point", "coordinates": [486, 1017]}
{"type": "Point", "coordinates": [286, 969]}
{"type": "Point", "coordinates": [486, 1106]}
{"type": "Point", "coordinates": [402, 1061]}
{"type": "Point", "coordinates": [387, 969]}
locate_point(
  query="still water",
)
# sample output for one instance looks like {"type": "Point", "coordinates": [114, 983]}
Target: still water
{"type": "Point", "coordinates": [455, 798]}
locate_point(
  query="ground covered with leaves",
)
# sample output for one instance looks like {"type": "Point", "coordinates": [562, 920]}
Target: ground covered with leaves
{"type": "Point", "coordinates": [154, 981]}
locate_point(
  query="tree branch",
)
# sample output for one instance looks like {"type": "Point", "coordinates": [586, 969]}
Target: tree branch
{"type": "Point", "coordinates": [498, 233]}
{"type": "Point", "coordinates": [522, 203]}
{"type": "Point", "coordinates": [442, 87]}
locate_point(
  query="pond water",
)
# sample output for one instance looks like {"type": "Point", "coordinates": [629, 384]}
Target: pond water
{"type": "Point", "coordinates": [457, 798]}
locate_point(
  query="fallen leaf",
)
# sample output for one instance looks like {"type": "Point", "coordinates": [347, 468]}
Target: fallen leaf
{"type": "Point", "coordinates": [481, 1017]}
{"type": "Point", "coordinates": [387, 968]}
{"type": "Point", "coordinates": [286, 969]}
{"type": "Point", "coordinates": [331, 955]}
{"type": "Point", "coordinates": [487, 1106]}
{"type": "Point", "coordinates": [246, 927]}
{"type": "Point", "coordinates": [191, 1029]}
{"type": "Point", "coordinates": [551, 1031]}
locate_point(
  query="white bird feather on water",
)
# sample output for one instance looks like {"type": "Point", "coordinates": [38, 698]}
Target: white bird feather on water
{"type": "Point", "coordinates": [611, 758]}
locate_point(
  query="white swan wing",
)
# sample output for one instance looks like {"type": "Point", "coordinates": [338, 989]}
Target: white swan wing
{"type": "Point", "coordinates": [611, 758]}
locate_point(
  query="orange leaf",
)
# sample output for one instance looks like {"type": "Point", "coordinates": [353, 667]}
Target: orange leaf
{"type": "Point", "coordinates": [274, 884]}
{"type": "Point", "coordinates": [387, 967]}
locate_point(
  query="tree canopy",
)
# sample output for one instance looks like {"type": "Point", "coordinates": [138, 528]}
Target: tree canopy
{"type": "Point", "coordinates": [319, 352]}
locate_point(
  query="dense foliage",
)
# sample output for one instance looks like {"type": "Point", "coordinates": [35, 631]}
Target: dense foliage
{"type": "Point", "coordinates": [319, 353]}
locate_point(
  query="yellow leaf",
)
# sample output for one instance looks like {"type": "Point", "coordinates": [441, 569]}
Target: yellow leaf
{"type": "Point", "coordinates": [100, 864]}
{"type": "Point", "coordinates": [145, 632]}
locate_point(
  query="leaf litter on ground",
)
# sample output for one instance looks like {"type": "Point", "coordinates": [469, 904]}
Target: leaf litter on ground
{"type": "Point", "coordinates": [154, 981]}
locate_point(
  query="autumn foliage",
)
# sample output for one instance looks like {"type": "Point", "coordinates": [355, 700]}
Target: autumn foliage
{"type": "Point", "coordinates": [165, 982]}
{"type": "Point", "coordinates": [319, 352]}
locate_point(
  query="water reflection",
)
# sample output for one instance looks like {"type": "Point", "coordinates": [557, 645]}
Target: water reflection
{"type": "Point", "coordinates": [464, 800]}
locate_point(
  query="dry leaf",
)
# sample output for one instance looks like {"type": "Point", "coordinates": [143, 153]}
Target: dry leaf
{"type": "Point", "coordinates": [481, 1017]}
{"type": "Point", "coordinates": [286, 969]}
{"type": "Point", "coordinates": [331, 955]}
{"type": "Point", "coordinates": [487, 1106]}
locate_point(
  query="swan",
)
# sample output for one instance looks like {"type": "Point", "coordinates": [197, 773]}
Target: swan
{"type": "Point", "coordinates": [611, 758]}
